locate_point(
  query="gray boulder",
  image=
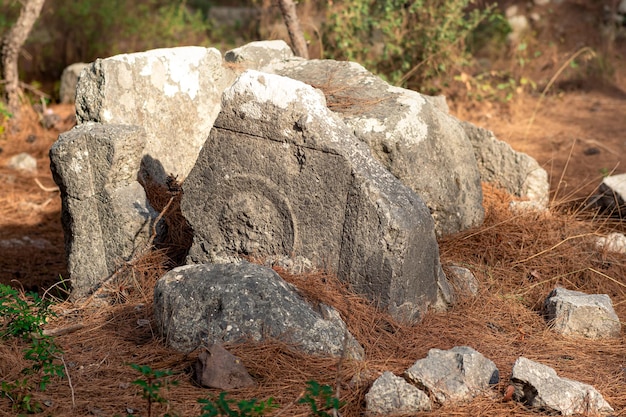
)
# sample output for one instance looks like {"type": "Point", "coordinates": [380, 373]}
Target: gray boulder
{"type": "Point", "coordinates": [574, 313]}
{"type": "Point", "coordinates": [174, 94]}
{"type": "Point", "coordinates": [106, 216]}
{"type": "Point", "coordinates": [517, 173]}
{"type": "Point", "coordinates": [69, 80]}
{"type": "Point", "coordinates": [538, 386]}
{"type": "Point", "coordinates": [391, 395]}
{"type": "Point", "coordinates": [455, 375]}
{"type": "Point", "coordinates": [215, 303]}
{"type": "Point", "coordinates": [422, 146]}
{"type": "Point", "coordinates": [282, 175]}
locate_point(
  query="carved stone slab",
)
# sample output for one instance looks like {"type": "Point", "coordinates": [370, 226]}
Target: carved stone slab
{"type": "Point", "coordinates": [280, 174]}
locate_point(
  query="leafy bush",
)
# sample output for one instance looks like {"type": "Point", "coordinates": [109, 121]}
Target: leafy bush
{"type": "Point", "coordinates": [411, 43]}
{"type": "Point", "coordinates": [21, 315]}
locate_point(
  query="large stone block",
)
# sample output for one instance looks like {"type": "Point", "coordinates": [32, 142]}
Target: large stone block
{"type": "Point", "coordinates": [105, 214]}
{"type": "Point", "coordinates": [424, 147]}
{"type": "Point", "coordinates": [205, 304]}
{"type": "Point", "coordinates": [174, 94]}
{"type": "Point", "coordinates": [280, 174]}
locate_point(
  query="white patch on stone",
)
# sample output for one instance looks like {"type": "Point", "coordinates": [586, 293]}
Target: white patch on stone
{"type": "Point", "coordinates": [410, 126]}
{"type": "Point", "coordinates": [107, 116]}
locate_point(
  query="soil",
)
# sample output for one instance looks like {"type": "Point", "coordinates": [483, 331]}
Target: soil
{"type": "Point", "coordinates": [575, 131]}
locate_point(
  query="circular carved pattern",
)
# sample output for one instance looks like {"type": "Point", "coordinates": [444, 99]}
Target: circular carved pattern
{"type": "Point", "coordinates": [257, 218]}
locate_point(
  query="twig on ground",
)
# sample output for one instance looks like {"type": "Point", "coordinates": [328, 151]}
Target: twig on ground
{"type": "Point", "coordinates": [69, 380]}
{"type": "Point", "coordinates": [46, 189]}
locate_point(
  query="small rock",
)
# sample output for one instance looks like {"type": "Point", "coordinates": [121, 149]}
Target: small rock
{"type": "Point", "coordinates": [23, 162]}
{"type": "Point", "coordinates": [454, 375]}
{"type": "Point", "coordinates": [538, 386]}
{"type": "Point", "coordinates": [574, 313]}
{"type": "Point", "coordinates": [613, 242]}
{"type": "Point", "coordinates": [50, 119]}
{"type": "Point", "coordinates": [463, 280]}
{"type": "Point", "coordinates": [218, 368]}
{"type": "Point", "coordinates": [391, 395]}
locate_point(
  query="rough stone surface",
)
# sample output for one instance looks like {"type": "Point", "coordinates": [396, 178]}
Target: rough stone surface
{"type": "Point", "coordinates": [517, 173]}
{"type": "Point", "coordinates": [282, 175]}
{"type": "Point", "coordinates": [214, 303]}
{"type": "Point", "coordinates": [391, 395]}
{"type": "Point", "coordinates": [69, 80]}
{"type": "Point", "coordinates": [611, 195]}
{"type": "Point", "coordinates": [218, 368]}
{"type": "Point", "coordinates": [462, 280]}
{"type": "Point", "coordinates": [261, 54]}
{"type": "Point", "coordinates": [422, 146]}
{"type": "Point", "coordinates": [613, 242]}
{"type": "Point", "coordinates": [574, 313]}
{"type": "Point", "coordinates": [454, 375]}
{"type": "Point", "coordinates": [174, 94]}
{"type": "Point", "coordinates": [105, 214]}
{"type": "Point", "coordinates": [538, 386]}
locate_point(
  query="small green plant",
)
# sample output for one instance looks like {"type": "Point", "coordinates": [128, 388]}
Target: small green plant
{"type": "Point", "coordinates": [321, 400]}
{"type": "Point", "coordinates": [151, 383]}
{"type": "Point", "coordinates": [222, 406]}
{"type": "Point", "coordinates": [21, 315]}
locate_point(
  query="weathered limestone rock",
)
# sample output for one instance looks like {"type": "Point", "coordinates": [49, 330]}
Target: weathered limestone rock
{"type": "Point", "coordinates": [574, 313]}
{"type": "Point", "coordinates": [454, 375]}
{"type": "Point", "coordinates": [517, 173]}
{"type": "Point", "coordinates": [218, 368]}
{"type": "Point", "coordinates": [422, 146]}
{"type": "Point", "coordinates": [538, 386]}
{"type": "Point", "coordinates": [214, 303]}
{"type": "Point", "coordinates": [69, 80]}
{"type": "Point", "coordinates": [282, 175]}
{"type": "Point", "coordinates": [261, 54]}
{"type": "Point", "coordinates": [174, 94]}
{"type": "Point", "coordinates": [391, 395]}
{"type": "Point", "coordinates": [106, 216]}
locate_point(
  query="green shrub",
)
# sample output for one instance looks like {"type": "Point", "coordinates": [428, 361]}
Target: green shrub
{"type": "Point", "coordinates": [411, 43]}
{"type": "Point", "coordinates": [21, 315]}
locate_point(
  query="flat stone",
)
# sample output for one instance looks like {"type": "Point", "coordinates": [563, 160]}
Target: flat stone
{"type": "Point", "coordinates": [391, 395]}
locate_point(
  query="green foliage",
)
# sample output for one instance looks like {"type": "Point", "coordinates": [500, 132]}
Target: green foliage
{"type": "Point", "coordinates": [19, 393]}
{"type": "Point", "coordinates": [22, 316]}
{"type": "Point", "coordinates": [151, 384]}
{"type": "Point", "coordinates": [409, 42]}
{"type": "Point", "coordinates": [321, 399]}
{"type": "Point", "coordinates": [221, 406]}
{"type": "Point", "coordinates": [496, 86]}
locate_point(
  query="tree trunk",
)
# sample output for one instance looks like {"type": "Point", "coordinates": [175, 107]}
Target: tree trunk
{"type": "Point", "coordinates": [11, 45]}
{"type": "Point", "coordinates": [288, 9]}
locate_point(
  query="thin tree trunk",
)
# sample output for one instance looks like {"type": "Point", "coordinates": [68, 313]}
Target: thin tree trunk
{"type": "Point", "coordinates": [288, 9]}
{"type": "Point", "coordinates": [11, 45]}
